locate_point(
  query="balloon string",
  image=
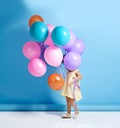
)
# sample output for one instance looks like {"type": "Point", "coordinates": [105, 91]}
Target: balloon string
{"type": "Point", "coordinates": [43, 47]}
{"type": "Point", "coordinates": [62, 71]}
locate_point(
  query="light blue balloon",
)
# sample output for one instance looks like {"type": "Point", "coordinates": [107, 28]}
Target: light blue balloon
{"type": "Point", "coordinates": [60, 35]}
{"type": "Point", "coordinates": [39, 31]}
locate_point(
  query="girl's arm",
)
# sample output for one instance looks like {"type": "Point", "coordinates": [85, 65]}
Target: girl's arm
{"type": "Point", "coordinates": [78, 76]}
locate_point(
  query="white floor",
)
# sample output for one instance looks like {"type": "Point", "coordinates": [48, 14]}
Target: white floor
{"type": "Point", "coordinates": [53, 120]}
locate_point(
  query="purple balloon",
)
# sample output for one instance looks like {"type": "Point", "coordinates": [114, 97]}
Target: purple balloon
{"type": "Point", "coordinates": [78, 47]}
{"type": "Point", "coordinates": [72, 60]}
{"type": "Point", "coordinates": [71, 41]}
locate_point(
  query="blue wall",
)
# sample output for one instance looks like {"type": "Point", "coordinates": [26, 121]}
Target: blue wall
{"type": "Point", "coordinates": [95, 22]}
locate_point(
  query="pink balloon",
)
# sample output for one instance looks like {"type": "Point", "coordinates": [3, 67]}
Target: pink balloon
{"type": "Point", "coordinates": [50, 27]}
{"type": "Point", "coordinates": [31, 50]}
{"type": "Point", "coordinates": [49, 41]}
{"type": "Point", "coordinates": [37, 67]}
{"type": "Point", "coordinates": [53, 56]}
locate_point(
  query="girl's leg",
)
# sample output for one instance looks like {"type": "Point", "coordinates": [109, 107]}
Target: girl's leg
{"type": "Point", "coordinates": [68, 115]}
{"type": "Point", "coordinates": [73, 104]}
{"type": "Point", "coordinates": [68, 100]}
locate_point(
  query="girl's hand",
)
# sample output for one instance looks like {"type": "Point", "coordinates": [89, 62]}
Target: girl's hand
{"type": "Point", "coordinates": [78, 75]}
{"type": "Point", "coordinates": [76, 78]}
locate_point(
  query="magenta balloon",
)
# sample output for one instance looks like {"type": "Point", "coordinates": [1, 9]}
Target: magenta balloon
{"type": "Point", "coordinates": [37, 67]}
{"type": "Point", "coordinates": [72, 60]}
{"type": "Point", "coordinates": [78, 47]}
{"type": "Point", "coordinates": [49, 41]}
{"type": "Point", "coordinates": [71, 41]}
{"type": "Point", "coordinates": [31, 50]}
{"type": "Point", "coordinates": [53, 56]}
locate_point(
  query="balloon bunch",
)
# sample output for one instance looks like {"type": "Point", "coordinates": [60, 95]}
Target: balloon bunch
{"type": "Point", "coordinates": [49, 43]}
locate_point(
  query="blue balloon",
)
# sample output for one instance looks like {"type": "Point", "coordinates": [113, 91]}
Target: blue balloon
{"type": "Point", "coordinates": [39, 31]}
{"type": "Point", "coordinates": [60, 35]}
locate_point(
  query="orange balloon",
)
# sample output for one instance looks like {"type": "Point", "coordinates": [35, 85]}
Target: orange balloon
{"type": "Point", "coordinates": [35, 18]}
{"type": "Point", "coordinates": [55, 81]}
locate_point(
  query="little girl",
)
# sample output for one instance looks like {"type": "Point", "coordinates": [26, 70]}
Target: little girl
{"type": "Point", "coordinates": [71, 91]}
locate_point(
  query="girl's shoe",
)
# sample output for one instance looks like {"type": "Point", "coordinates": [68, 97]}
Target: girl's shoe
{"type": "Point", "coordinates": [76, 114]}
{"type": "Point", "coordinates": [66, 116]}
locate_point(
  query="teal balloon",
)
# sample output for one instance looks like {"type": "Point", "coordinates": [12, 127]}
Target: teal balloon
{"type": "Point", "coordinates": [39, 31]}
{"type": "Point", "coordinates": [60, 35]}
